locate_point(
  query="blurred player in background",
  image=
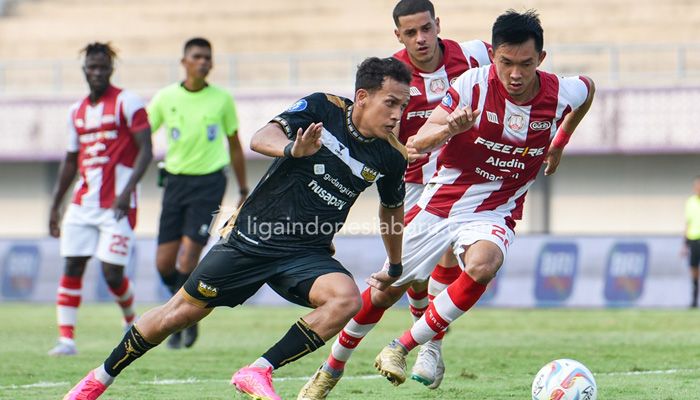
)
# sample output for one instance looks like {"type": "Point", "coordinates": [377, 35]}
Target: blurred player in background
{"type": "Point", "coordinates": [501, 123]}
{"type": "Point", "coordinates": [199, 118]}
{"type": "Point", "coordinates": [692, 238]}
{"type": "Point", "coordinates": [328, 150]}
{"type": "Point", "coordinates": [434, 64]}
{"type": "Point", "coordinates": [109, 147]}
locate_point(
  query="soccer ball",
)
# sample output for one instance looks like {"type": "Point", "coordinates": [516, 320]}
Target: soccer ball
{"type": "Point", "coordinates": [564, 379]}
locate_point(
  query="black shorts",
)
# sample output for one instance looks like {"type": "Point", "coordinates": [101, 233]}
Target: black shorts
{"type": "Point", "coordinates": [189, 202]}
{"type": "Point", "coordinates": [227, 276]}
{"type": "Point", "coordinates": [694, 247]}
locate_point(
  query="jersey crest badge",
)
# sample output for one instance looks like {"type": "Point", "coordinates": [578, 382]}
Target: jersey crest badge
{"type": "Point", "coordinates": [516, 121]}
{"type": "Point", "coordinates": [438, 86]}
{"type": "Point", "coordinates": [175, 133]}
{"type": "Point", "coordinates": [212, 130]}
{"type": "Point", "coordinates": [300, 105]}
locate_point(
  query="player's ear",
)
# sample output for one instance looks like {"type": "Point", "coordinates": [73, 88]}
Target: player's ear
{"type": "Point", "coordinates": [361, 97]}
{"type": "Point", "coordinates": [543, 54]}
{"type": "Point", "coordinates": [437, 25]}
{"type": "Point", "coordinates": [398, 35]}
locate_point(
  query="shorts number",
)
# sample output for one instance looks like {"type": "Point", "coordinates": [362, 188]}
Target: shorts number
{"type": "Point", "coordinates": [500, 232]}
{"type": "Point", "coordinates": [120, 245]}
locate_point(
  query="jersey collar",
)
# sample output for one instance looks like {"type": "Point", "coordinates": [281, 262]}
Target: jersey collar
{"type": "Point", "coordinates": [353, 131]}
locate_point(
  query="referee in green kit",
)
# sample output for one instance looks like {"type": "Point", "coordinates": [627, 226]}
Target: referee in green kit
{"type": "Point", "coordinates": [692, 237]}
{"type": "Point", "coordinates": [198, 118]}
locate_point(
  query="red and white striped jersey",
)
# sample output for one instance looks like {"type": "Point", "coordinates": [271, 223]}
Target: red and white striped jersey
{"type": "Point", "coordinates": [102, 134]}
{"type": "Point", "coordinates": [428, 88]}
{"type": "Point", "coordinates": [490, 167]}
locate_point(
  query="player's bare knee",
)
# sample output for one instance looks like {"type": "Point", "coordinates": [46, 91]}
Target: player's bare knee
{"type": "Point", "coordinates": [482, 272]}
{"type": "Point", "coordinates": [113, 277]}
{"type": "Point", "coordinates": [344, 304]}
{"type": "Point", "coordinates": [75, 266]}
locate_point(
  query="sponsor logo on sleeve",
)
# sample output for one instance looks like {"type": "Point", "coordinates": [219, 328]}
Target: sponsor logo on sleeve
{"type": "Point", "coordinates": [300, 105]}
{"type": "Point", "coordinates": [369, 174]}
{"type": "Point", "coordinates": [447, 100]}
{"type": "Point", "coordinates": [625, 273]}
{"type": "Point", "coordinates": [207, 290]}
{"type": "Point", "coordinates": [556, 273]}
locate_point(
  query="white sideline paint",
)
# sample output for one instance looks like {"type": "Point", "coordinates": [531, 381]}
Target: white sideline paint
{"type": "Point", "coordinates": [190, 381]}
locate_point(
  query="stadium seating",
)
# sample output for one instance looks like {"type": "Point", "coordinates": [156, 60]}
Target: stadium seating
{"type": "Point", "coordinates": [157, 27]}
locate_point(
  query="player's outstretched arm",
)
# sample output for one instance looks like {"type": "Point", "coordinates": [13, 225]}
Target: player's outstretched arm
{"type": "Point", "coordinates": [238, 164]}
{"type": "Point", "coordinates": [271, 141]}
{"type": "Point", "coordinates": [441, 126]}
{"type": "Point", "coordinates": [143, 141]}
{"type": "Point", "coordinates": [566, 129]}
{"type": "Point", "coordinates": [66, 174]}
{"type": "Point", "coordinates": [391, 227]}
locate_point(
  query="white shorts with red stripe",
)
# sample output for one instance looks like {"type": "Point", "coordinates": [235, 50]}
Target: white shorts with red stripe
{"type": "Point", "coordinates": [426, 238]}
{"type": "Point", "coordinates": [413, 193]}
{"type": "Point", "coordinates": [93, 231]}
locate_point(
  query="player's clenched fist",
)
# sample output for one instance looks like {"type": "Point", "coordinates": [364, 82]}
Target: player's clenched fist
{"type": "Point", "coordinates": [461, 119]}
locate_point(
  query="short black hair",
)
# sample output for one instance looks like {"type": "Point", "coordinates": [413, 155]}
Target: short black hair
{"type": "Point", "coordinates": [410, 7]}
{"type": "Point", "coordinates": [196, 42]}
{"type": "Point", "coordinates": [516, 28]}
{"type": "Point", "coordinates": [372, 71]}
{"type": "Point", "coordinates": [100, 48]}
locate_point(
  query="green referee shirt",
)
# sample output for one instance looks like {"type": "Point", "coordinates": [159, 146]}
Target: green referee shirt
{"type": "Point", "coordinates": [692, 217]}
{"type": "Point", "coordinates": [197, 124]}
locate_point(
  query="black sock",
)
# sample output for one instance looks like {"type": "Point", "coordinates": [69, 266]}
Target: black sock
{"type": "Point", "coordinates": [695, 291]}
{"type": "Point", "coordinates": [132, 346]}
{"type": "Point", "coordinates": [170, 281]}
{"type": "Point", "coordinates": [299, 341]}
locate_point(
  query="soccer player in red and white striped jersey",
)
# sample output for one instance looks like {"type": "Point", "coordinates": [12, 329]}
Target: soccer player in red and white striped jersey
{"type": "Point", "coordinates": [434, 63]}
{"type": "Point", "coordinates": [501, 123]}
{"type": "Point", "coordinates": [109, 148]}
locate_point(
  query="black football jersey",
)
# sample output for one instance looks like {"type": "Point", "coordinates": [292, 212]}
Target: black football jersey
{"type": "Point", "coordinates": [301, 203]}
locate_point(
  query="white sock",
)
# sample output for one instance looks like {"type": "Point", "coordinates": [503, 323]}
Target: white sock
{"type": "Point", "coordinates": [261, 363]}
{"type": "Point", "coordinates": [102, 375]}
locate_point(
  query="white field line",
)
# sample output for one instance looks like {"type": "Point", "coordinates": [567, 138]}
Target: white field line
{"type": "Point", "coordinates": [190, 381]}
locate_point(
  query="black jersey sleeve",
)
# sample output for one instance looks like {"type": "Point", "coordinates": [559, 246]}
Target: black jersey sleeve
{"type": "Point", "coordinates": [391, 186]}
{"type": "Point", "coordinates": [301, 114]}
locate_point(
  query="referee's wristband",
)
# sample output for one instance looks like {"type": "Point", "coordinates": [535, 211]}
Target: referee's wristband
{"type": "Point", "coordinates": [395, 270]}
{"type": "Point", "coordinates": [288, 150]}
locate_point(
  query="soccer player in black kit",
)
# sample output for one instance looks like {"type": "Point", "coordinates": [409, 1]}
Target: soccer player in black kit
{"type": "Point", "coordinates": [328, 150]}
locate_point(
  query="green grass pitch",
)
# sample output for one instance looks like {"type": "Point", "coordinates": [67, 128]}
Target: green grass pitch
{"type": "Point", "coordinates": [489, 353]}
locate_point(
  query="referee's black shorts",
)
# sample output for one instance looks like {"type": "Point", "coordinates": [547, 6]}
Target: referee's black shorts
{"type": "Point", "coordinates": [189, 202]}
{"type": "Point", "coordinates": [694, 247]}
{"type": "Point", "coordinates": [227, 276]}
